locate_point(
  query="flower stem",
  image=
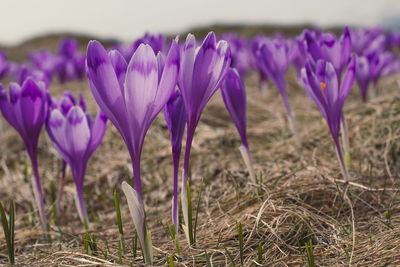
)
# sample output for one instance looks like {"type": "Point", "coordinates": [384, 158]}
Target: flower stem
{"type": "Point", "coordinates": [184, 193]}
{"type": "Point", "coordinates": [60, 189]}
{"type": "Point", "coordinates": [136, 176]}
{"type": "Point", "coordinates": [176, 156]}
{"type": "Point", "coordinates": [37, 190]}
{"type": "Point", "coordinates": [345, 141]}
{"type": "Point", "coordinates": [80, 205]}
{"type": "Point", "coordinates": [341, 161]}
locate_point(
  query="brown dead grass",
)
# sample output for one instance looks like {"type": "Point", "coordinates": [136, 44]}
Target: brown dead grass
{"type": "Point", "coordinates": [302, 196]}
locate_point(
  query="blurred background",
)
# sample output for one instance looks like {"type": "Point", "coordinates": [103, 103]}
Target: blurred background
{"type": "Point", "coordinates": [126, 20]}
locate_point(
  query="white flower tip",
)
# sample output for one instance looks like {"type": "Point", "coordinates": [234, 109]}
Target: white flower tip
{"type": "Point", "coordinates": [247, 160]}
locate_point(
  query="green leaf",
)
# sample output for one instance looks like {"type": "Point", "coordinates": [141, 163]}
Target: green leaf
{"type": "Point", "coordinates": [197, 210]}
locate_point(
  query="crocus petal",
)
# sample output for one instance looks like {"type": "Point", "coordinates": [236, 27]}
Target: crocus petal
{"type": "Point", "coordinates": [78, 130]}
{"type": "Point", "coordinates": [345, 46]}
{"type": "Point", "coordinates": [185, 79]}
{"type": "Point", "coordinates": [234, 96]}
{"type": "Point", "coordinates": [33, 106]}
{"type": "Point", "coordinates": [168, 78]}
{"type": "Point", "coordinates": [98, 130]}
{"type": "Point", "coordinates": [6, 108]}
{"type": "Point", "coordinates": [313, 89]}
{"type": "Point", "coordinates": [202, 69]}
{"type": "Point", "coordinates": [82, 103]}
{"type": "Point", "coordinates": [56, 130]}
{"type": "Point", "coordinates": [105, 86]}
{"type": "Point", "coordinates": [120, 66]}
{"type": "Point", "coordinates": [348, 80]}
{"type": "Point", "coordinates": [141, 86]}
{"type": "Point", "coordinates": [175, 117]}
{"type": "Point", "coordinates": [67, 101]}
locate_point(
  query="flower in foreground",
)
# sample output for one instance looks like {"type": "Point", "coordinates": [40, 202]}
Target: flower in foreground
{"type": "Point", "coordinates": [175, 117]}
{"type": "Point", "coordinates": [131, 95]}
{"type": "Point", "coordinates": [26, 111]}
{"type": "Point", "coordinates": [234, 96]}
{"type": "Point", "coordinates": [76, 137]}
{"type": "Point", "coordinates": [202, 70]}
{"type": "Point", "coordinates": [323, 87]}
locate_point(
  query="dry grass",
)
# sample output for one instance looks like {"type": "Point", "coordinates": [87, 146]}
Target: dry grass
{"type": "Point", "coordinates": [301, 198]}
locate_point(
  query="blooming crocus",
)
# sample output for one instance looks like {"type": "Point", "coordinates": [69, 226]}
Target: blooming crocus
{"type": "Point", "coordinates": [76, 137]}
{"type": "Point", "coordinates": [274, 61]}
{"type": "Point", "coordinates": [45, 61]}
{"type": "Point", "coordinates": [363, 75]}
{"type": "Point", "coordinates": [175, 117]}
{"type": "Point", "coordinates": [35, 74]}
{"type": "Point", "coordinates": [4, 65]}
{"type": "Point", "coordinates": [338, 52]}
{"type": "Point", "coordinates": [202, 70]}
{"type": "Point", "coordinates": [132, 95]}
{"type": "Point", "coordinates": [329, 48]}
{"type": "Point", "coordinates": [240, 52]}
{"type": "Point", "coordinates": [323, 87]}
{"type": "Point", "coordinates": [234, 96]}
{"type": "Point", "coordinates": [71, 62]}
{"type": "Point", "coordinates": [26, 111]}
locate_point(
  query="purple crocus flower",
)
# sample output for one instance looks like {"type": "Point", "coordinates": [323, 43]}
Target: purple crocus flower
{"type": "Point", "coordinates": [363, 75]}
{"type": "Point", "coordinates": [202, 70]}
{"type": "Point", "coordinates": [240, 52]}
{"type": "Point", "coordinates": [26, 110]}
{"type": "Point", "coordinates": [330, 49]}
{"type": "Point", "coordinates": [175, 116]}
{"type": "Point", "coordinates": [37, 75]}
{"type": "Point", "coordinates": [274, 61]}
{"type": "Point", "coordinates": [255, 46]}
{"type": "Point", "coordinates": [76, 137]}
{"type": "Point", "coordinates": [323, 87]}
{"type": "Point", "coordinates": [72, 63]}
{"type": "Point", "coordinates": [45, 61]}
{"type": "Point", "coordinates": [132, 95]}
{"type": "Point", "coordinates": [234, 96]}
{"type": "Point", "coordinates": [4, 65]}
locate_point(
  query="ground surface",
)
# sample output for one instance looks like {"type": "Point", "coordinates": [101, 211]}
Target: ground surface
{"type": "Point", "coordinates": [302, 196]}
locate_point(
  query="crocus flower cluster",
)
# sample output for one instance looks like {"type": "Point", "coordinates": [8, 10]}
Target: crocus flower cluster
{"type": "Point", "coordinates": [133, 83]}
{"type": "Point", "coordinates": [75, 136]}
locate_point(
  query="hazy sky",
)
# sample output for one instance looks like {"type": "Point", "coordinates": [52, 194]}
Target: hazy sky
{"type": "Point", "coordinates": [128, 19]}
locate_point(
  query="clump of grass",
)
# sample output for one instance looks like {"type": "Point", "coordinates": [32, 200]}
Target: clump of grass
{"type": "Point", "coordinates": [8, 228]}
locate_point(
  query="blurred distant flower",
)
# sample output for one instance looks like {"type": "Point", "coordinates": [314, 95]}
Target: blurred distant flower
{"type": "Point", "coordinates": [156, 41]}
{"type": "Point", "coordinates": [24, 72]}
{"type": "Point", "coordinates": [4, 65]}
{"type": "Point", "coordinates": [71, 62]}
{"type": "Point", "coordinates": [45, 61]}
{"type": "Point", "coordinates": [273, 56]}
{"type": "Point", "coordinates": [26, 109]}
{"type": "Point", "coordinates": [240, 52]}
{"type": "Point", "coordinates": [330, 49]}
